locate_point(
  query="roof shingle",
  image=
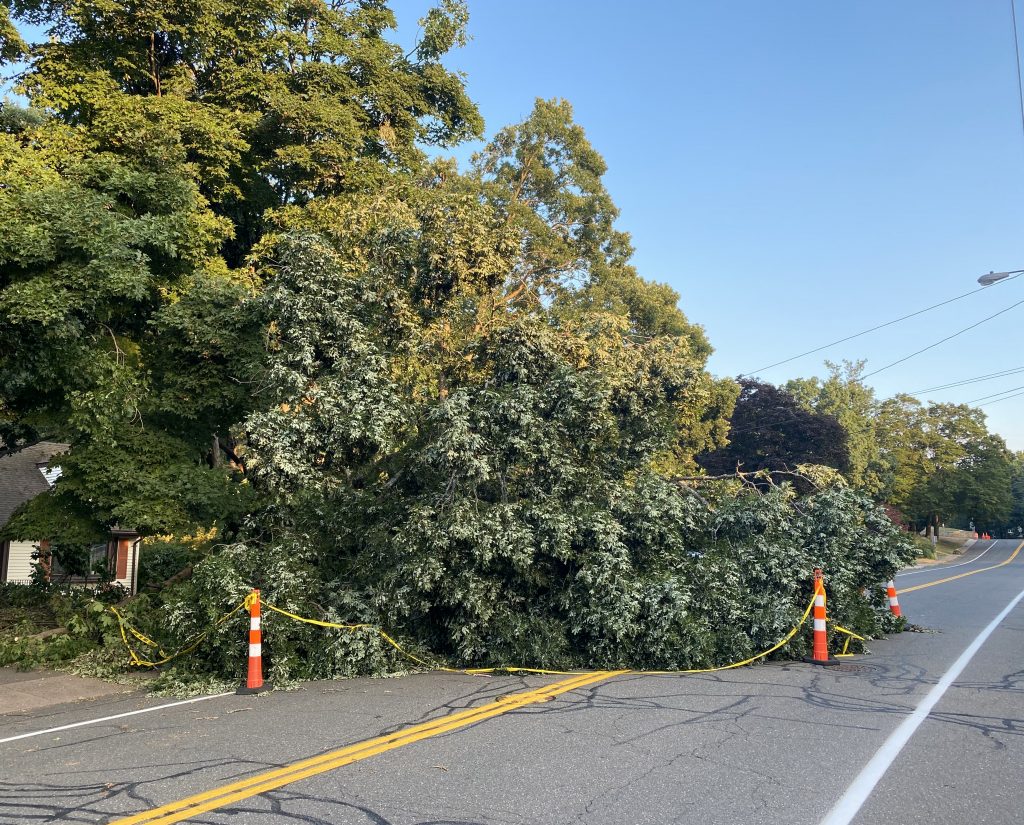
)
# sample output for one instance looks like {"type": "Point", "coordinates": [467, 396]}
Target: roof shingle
{"type": "Point", "coordinates": [20, 478]}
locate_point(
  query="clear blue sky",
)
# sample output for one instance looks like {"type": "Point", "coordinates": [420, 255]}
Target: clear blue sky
{"type": "Point", "coordinates": [797, 171]}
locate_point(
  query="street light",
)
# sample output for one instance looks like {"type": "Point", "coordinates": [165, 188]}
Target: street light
{"type": "Point", "coordinates": [994, 277]}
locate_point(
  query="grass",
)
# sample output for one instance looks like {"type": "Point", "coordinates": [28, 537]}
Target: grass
{"type": "Point", "coordinates": [943, 547]}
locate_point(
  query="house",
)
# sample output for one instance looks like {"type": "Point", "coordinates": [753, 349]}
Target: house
{"type": "Point", "coordinates": [23, 476]}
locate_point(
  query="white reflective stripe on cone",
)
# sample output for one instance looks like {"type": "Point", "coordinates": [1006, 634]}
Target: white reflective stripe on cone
{"type": "Point", "coordinates": [819, 625]}
{"type": "Point", "coordinates": [254, 623]}
{"type": "Point", "coordinates": [255, 650]}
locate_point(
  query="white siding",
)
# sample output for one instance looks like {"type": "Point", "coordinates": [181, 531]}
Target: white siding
{"type": "Point", "coordinates": [20, 564]}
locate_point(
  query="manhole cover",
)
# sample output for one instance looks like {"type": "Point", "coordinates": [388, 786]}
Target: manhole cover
{"type": "Point", "coordinates": [848, 667]}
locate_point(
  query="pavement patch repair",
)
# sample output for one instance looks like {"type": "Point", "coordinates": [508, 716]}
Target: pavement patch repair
{"type": "Point", "coordinates": [927, 728]}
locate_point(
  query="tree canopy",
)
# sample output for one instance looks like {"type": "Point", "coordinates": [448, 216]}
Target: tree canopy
{"type": "Point", "coordinates": [159, 148]}
{"type": "Point", "coordinates": [770, 430]}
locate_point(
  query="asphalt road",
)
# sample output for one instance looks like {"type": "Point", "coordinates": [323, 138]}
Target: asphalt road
{"type": "Point", "coordinates": [767, 744]}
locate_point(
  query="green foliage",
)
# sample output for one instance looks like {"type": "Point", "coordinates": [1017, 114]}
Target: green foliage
{"type": "Point", "coordinates": [164, 557]}
{"type": "Point", "coordinates": [26, 610]}
{"type": "Point", "coordinates": [657, 580]}
{"type": "Point", "coordinates": [159, 144]}
{"type": "Point", "coordinates": [96, 245]}
{"type": "Point", "coordinates": [1013, 525]}
{"type": "Point", "coordinates": [944, 464]}
{"type": "Point", "coordinates": [845, 397]}
{"type": "Point", "coordinates": [497, 503]}
{"type": "Point", "coordinates": [272, 103]}
{"type": "Point", "coordinates": [12, 47]}
{"type": "Point", "coordinates": [933, 462]}
{"type": "Point", "coordinates": [770, 431]}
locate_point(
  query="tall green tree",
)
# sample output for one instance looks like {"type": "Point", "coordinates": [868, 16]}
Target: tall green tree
{"type": "Point", "coordinates": [273, 103]}
{"type": "Point", "coordinates": [845, 397]}
{"type": "Point", "coordinates": [904, 447]}
{"type": "Point", "coordinates": [770, 430]}
{"type": "Point", "coordinates": [544, 181]}
{"type": "Point", "coordinates": [1014, 524]}
{"type": "Point", "coordinates": [984, 494]}
{"type": "Point", "coordinates": [160, 145]}
{"type": "Point", "coordinates": [943, 464]}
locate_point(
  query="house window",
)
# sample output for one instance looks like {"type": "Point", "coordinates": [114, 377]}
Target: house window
{"type": "Point", "coordinates": [98, 565]}
{"type": "Point", "coordinates": [98, 559]}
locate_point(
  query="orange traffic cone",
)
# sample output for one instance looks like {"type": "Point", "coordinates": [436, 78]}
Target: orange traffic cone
{"type": "Point", "coordinates": [254, 680]}
{"type": "Point", "coordinates": [890, 598]}
{"type": "Point", "coordinates": [820, 650]}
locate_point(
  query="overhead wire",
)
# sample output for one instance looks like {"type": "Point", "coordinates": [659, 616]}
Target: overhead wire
{"type": "Point", "coordinates": [1016, 51]}
{"type": "Point", "coordinates": [876, 328]}
{"type": "Point", "coordinates": [975, 380]}
{"type": "Point", "coordinates": [1007, 398]}
{"type": "Point", "coordinates": [995, 394]}
{"type": "Point", "coordinates": [942, 340]}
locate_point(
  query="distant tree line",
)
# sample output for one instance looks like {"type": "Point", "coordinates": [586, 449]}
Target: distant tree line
{"type": "Point", "coordinates": [934, 463]}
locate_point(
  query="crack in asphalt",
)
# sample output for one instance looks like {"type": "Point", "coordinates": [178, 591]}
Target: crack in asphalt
{"type": "Point", "coordinates": [721, 704]}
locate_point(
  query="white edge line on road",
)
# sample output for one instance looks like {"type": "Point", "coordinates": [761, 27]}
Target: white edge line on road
{"type": "Point", "coordinates": [860, 789]}
{"type": "Point", "coordinates": [949, 566]}
{"type": "Point", "coordinates": [115, 716]}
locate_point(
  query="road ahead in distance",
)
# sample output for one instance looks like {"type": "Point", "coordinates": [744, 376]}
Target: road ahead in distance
{"type": "Point", "coordinates": [927, 729]}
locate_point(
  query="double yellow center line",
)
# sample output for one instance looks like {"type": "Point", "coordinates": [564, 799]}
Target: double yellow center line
{"type": "Point", "coordinates": [268, 781]}
{"type": "Point", "coordinates": [1013, 555]}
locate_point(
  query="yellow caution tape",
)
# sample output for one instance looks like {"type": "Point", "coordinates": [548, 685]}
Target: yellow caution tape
{"type": "Point", "coordinates": [849, 635]}
{"type": "Point", "coordinates": [338, 626]}
{"type": "Point", "coordinates": [847, 632]}
{"type": "Point", "coordinates": [406, 653]}
{"type": "Point", "coordinates": [195, 641]}
{"type": "Point", "coordinates": [514, 669]}
{"type": "Point", "coordinates": [191, 645]}
{"type": "Point", "coordinates": [752, 659]}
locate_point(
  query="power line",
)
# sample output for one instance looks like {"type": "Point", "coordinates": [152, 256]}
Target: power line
{"type": "Point", "coordinates": [873, 329]}
{"type": "Point", "coordinates": [993, 395]}
{"type": "Point", "coordinates": [942, 341]}
{"type": "Point", "coordinates": [1016, 50]}
{"type": "Point", "coordinates": [1015, 395]}
{"type": "Point", "coordinates": [975, 380]}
